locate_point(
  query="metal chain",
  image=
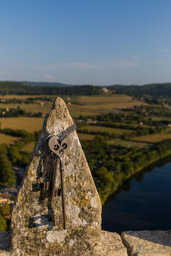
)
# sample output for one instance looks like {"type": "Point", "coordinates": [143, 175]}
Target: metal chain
{"type": "Point", "coordinates": [66, 133]}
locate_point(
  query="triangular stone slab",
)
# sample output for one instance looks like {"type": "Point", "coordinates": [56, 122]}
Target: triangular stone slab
{"type": "Point", "coordinates": [33, 232]}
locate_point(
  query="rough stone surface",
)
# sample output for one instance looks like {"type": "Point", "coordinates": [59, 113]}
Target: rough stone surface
{"type": "Point", "coordinates": [147, 243]}
{"type": "Point", "coordinates": [110, 245]}
{"type": "Point", "coordinates": [83, 206]}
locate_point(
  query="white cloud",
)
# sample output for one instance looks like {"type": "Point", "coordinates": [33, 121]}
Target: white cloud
{"type": "Point", "coordinates": [5, 73]}
{"type": "Point", "coordinates": [91, 66]}
{"type": "Point", "coordinates": [134, 57]}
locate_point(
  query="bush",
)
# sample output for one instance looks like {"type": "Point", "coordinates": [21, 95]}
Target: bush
{"type": "Point", "coordinates": [3, 224]}
{"type": "Point", "coordinates": [5, 209]}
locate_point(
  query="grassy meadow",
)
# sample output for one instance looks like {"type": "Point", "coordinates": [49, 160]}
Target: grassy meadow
{"type": "Point", "coordinates": [91, 128]}
{"type": "Point", "coordinates": [154, 138]}
{"type": "Point", "coordinates": [127, 143]}
{"type": "Point", "coordinates": [92, 105]}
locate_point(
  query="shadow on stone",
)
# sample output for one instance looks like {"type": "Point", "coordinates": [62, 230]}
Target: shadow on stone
{"type": "Point", "coordinates": [147, 243]}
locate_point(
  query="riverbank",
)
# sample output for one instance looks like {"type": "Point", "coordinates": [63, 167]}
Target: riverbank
{"type": "Point", "coordinates": [131, 175]}
{"type": "Point", "coordinates": [142, 202]}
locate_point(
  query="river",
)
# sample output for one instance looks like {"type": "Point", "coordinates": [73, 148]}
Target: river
{"type": "Point", "coordinates": [143, 202]}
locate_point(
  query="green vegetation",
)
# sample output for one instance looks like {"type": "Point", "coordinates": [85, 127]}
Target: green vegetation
{"type": "Point", "coordinates": [111, 165]}
{"type": "Point", "coordinates": [3, 224]}
{"type": "Point", "coordinates": [4, 209]}
{"type": "Point", "coordinates": [108, 130]}
{"type": "Point", "coordinates": [153, 138]}
{"type": "Point", "coordinates": [28, 147]}
{"type": "Point", "coordinates": [127, 143]}
{"type": "Point", "coordinates": [16, 112]}
{"type": "Point", "coordinates": [6, 171]}
{"type": "Point", "coordinates": [155, 91]}
{"type": "Point", "coordinates": [120, 134]}
{"type": "Point", "coordinates": [24, 89]}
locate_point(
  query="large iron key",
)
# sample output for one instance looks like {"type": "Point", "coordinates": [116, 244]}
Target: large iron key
{"type": "Point", "coordinates": [59, 148]}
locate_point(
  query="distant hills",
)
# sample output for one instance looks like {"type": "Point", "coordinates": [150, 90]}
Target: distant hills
{"type": "Point", "coordinates": [51, 84]}
{"type": "Point", "coordinates": [46, 88]}
{"type": "Point", "coordinates": [154, 90]}
{"type": "Point", "coordinates": [23, 88]}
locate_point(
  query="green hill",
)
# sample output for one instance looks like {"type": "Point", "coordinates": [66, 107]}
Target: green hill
{"type": "Point", "coordinates": [154, 90]}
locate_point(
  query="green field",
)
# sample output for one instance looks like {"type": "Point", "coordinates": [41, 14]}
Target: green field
{"type": "Point", "coordinates": [8, 139]}
{"type": "Point", "coordinates": [92, 128]}
{"type": "Point", "coordinates": [158, 118]}
{"type": "Point", "coordinates": [126, 143]}
{"type": "Point", "coordinates": [29, 124]}
{"type": "Point", "coordinates": [116, 100]}
{"type": "Point", "coordinates": [28, 147]}
{"type": "Point", "coordinates": [154, 138]}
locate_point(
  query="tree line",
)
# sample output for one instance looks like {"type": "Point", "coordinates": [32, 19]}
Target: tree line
{"type": "Point", "coordinates": [156, 90]}
{"type": "Point", "coordinates": [19, 88]}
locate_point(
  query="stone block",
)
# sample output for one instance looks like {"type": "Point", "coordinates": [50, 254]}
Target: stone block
{"type": "Point", "coordinates": [147, 243]}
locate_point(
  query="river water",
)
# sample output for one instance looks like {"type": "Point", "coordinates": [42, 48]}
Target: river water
{"type": "Point", "coordinates": [142, 203]}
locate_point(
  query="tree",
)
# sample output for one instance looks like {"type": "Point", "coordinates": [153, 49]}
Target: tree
{"type": "Point", "coordinates": [6, 171]}
{"type": "Point", "coordinates": [3, 224]}
{"type": "Point", "coordinates": [5, 209]}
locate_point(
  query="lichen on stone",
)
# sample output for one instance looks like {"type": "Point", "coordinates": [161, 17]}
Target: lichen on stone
{"type": "Point", "coordinates": [33, 228]}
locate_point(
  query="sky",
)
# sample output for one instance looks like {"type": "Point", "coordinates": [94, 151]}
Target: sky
{"type": "Point", "coordinates": [100, 42]}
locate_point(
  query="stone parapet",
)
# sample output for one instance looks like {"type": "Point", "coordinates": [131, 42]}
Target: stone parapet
{"type": "Point", "coordinates": [147, 243]}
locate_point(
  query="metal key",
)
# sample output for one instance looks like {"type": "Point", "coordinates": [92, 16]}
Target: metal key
{"type": "Point", "coordinates": [58, 148]}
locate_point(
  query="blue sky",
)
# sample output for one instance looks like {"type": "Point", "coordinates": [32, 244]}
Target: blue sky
{"type": "Point", "coordinates": [99, 42]}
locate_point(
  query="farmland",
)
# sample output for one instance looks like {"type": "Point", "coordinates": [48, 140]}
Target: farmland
{"type": "Point", "coordinates": [155, 138]}
{"type": "Point", "coordinates": [91, 128]}
{"type": "Point", "coordinates": [29, 124]}
{"type": "Point", "coordinates": [87, 107]}
{"type": "Point", "coordinates": [120, 134]}
{"type": "Point", "coordinates": [28, 147]}
{"type": "Point", "coordinates": [127, 143]}
{"type": "Point", "coordinates": [8, 139]}
{"type": "Point", "coordinates": [80, 105]}
{"type": "Point", "coordinates": [102, 104]}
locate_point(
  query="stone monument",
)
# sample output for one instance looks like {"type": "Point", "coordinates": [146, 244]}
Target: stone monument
{"type": "Point", "coordinates": [35, 232]}
{"type": "Point", "coordinates": [57, 209]}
